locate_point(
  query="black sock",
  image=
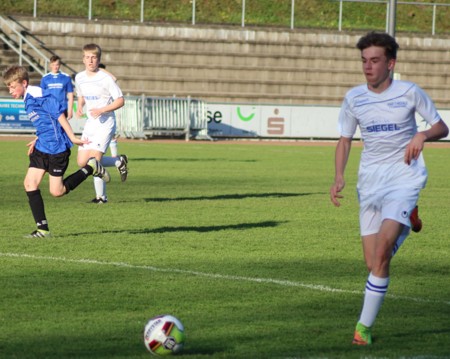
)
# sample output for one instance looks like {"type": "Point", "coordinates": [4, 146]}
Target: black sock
{"type": "Point", "coordinates": [37, 209]}
{"type": "Point", "coordinates": [76, 178]}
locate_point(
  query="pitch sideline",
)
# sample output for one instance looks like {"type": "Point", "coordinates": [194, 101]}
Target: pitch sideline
{"type": "Point", "coordinates": [280, 282]}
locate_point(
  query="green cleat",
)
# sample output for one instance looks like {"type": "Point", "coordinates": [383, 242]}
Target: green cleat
{"type": "Point", "coordinates": [363, 335]}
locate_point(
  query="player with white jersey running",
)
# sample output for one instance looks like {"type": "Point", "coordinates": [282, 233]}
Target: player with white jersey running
{"type": "Point", "coordinates": [392, 170]}
{"type": "Point", "coordinates": [102, 96]}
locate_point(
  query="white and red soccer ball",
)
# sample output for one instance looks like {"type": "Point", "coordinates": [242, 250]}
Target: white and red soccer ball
{"type": "Point", "coordinates": [164, 335]}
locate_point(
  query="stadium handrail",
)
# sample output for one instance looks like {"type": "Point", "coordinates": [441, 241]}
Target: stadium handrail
{"type": "Point", "coordinates": [17, 46]}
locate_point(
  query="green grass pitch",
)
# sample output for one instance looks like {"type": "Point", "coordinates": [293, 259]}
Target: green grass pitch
{"type": "Point", "coordinates": [238, 240]}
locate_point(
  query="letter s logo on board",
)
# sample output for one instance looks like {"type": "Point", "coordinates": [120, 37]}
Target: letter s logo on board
{"type": "Point", "coordinates": [275, 125]}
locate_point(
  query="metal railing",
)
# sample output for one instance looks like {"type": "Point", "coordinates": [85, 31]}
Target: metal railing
{"type": "Point", "coordinates": [30, 49]}
{"type": "Point", "coordinates": [16, 41]}
{"type": "Point", "coordinates": [292, 10]}
{"type": "Point", "coordinates": [433, 20]}
{"type": "Point", "coordinates": [143, 116]}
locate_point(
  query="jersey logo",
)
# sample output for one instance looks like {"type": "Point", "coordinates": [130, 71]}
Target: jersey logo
{"type": "Point", "coordinates": [33, 116]}
{"type": "Point", "coordinates": [390, 127]}
{"type": "Point", "coordinates": [397, 104]}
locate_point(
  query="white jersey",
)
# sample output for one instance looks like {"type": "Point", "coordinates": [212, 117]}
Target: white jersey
{"type": "Point", "coordinates": [386, 120]}
{"type": "Point", "coordinates": [98, 91]}
{"type": "Point", "coordinates": [387, 124]}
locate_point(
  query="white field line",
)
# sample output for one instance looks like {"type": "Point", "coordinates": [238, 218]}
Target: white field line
{"type": "Point", "coordinates": [285, 283]}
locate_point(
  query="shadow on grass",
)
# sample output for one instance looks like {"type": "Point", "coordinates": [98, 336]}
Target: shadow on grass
{"type": "Point", "coordinates": [142, 159]}
{"type": "Point", "coordinates": [231, 196]}
{"type": "Point", "coordinates": [199, 229]}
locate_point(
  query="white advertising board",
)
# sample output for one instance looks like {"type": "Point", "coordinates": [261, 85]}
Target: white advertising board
{"type": "Point", "coordinates": [278, 121]}
{"type": "Point", "coordinates": [282, 121]}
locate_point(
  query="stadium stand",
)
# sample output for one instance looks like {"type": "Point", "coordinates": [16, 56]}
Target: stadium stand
{"type": "Point", "coordinates": [219, 64]}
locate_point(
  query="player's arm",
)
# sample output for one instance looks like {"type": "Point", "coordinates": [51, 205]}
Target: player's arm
{"type": "Point", "coordinates": [69, 105]}
{"type": "Point", "coordinates": [80, 105]}
{"type": "Point", "coordinates": [435, 132]}
{"type": "Point", "coordinates": [116, 104]}
{"type": "Point", "coordinates": [68, 130]}
{"type": "Point", "coordinates": [341, 158]}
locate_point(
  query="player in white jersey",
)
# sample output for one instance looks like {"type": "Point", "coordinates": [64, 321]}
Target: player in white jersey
{"type": "Point", "coordinates": [392, 170]}
{"type": "Point", "coordinates": [102, 96]}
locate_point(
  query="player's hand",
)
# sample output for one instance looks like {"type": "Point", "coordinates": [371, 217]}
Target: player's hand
{"type": "Point", "coordinates": [95, 112]}
{"type": "Point", "coordinates": [335, 190]}
{"type": "Point", "coordinates": [414, 148]}
{"type": "Point", "coordinates": [30, 146]}
{"type": "Point", "coordinates": [80, 141]}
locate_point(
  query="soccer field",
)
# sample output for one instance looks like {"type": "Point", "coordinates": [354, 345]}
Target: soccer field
{"type": "Point", "coordinates": [238, 240]}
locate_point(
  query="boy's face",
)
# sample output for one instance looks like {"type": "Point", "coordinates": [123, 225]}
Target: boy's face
{"type": "Point", "coordinates": [376, 67]}
{"type": "Point", "coordinates": [55, 66]}
{"type": "Point", "coordinates": [91, 61]}
{"type": "Point", "coordinates": [17, 89]}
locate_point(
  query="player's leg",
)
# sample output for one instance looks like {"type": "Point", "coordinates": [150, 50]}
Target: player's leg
{"type": "Point", "coordinates": [100, 191]}
{"type": "Point", "coordinates": [114, 148]}
{"type": "Point", "coordinates": [32, 181]}
{"type": "Point", "coordinates": [401, 238]}
{"type": "Point", "coordinates": [57, 167]}
{"type": "Point", "coordinates": [93, 159]}
{"type": "Point", "coordinates": [379, 250]}
{"type": "Point", "coordinates": [120, 161]}
{"type": "Point", "coordinates": [100, 137]}
{"type": "Point", "coordinates": [87, 154]}
{"type": "Point", "coordinates": [377, 283]}
{"type": "Point", "coordinates": [99, 184]}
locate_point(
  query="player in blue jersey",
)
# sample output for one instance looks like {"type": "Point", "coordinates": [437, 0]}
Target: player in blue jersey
{"type": "Point", "coordinates": [392, 170]}
{"type": "Point", "coordinates": [59, 85]}
{"type": "Point", "coordinates": [50, 151]}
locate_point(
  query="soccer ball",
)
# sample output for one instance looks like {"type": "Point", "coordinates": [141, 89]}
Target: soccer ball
{"type": "Point", "coordinates": [164, 335]}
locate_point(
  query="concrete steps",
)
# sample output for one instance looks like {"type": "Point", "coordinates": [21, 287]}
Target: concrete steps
{"type": "Point", "coordinates": [237, 65]}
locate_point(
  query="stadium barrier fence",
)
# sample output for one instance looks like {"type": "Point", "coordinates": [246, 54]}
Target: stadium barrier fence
{"type": "Point", "coordinates": [143, 117]}
{"type": "Point", "coordinates": [140, 117]}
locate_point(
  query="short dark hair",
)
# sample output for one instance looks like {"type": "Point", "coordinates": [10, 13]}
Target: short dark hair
{"type": "Point", "coordinates": [380, 39]}
{"type": "Point", "coordinates": [55, 58]}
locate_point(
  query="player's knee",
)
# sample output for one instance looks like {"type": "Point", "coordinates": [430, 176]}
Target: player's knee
{"type": "Point", "coordinates": [29, 185]}
{"type": "Point", "coordinates": [57, 192]}
{"type": "Point", "coordinates": [81, 162]}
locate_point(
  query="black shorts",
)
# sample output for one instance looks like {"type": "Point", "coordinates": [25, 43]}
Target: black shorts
{"type": "Point", "coordinates": [55, 165]}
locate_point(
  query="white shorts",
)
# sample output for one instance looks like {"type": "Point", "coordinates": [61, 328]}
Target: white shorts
{"type": "Point", "coordinates": [388, 191]}
{"type": "Point", "coordinates": [396, 205]}
{"type": "Point", "coordinates": [100, 135]}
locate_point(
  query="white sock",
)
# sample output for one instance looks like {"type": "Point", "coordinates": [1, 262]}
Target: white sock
{"type": "Point", "coordinates": [109, 161]}
{"type": "Point", "coordinates": [100, 188]}
{"type": "Point", "coordinates": [376, 289]}
{"type": "Point", "coordinates": [113, 147]}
